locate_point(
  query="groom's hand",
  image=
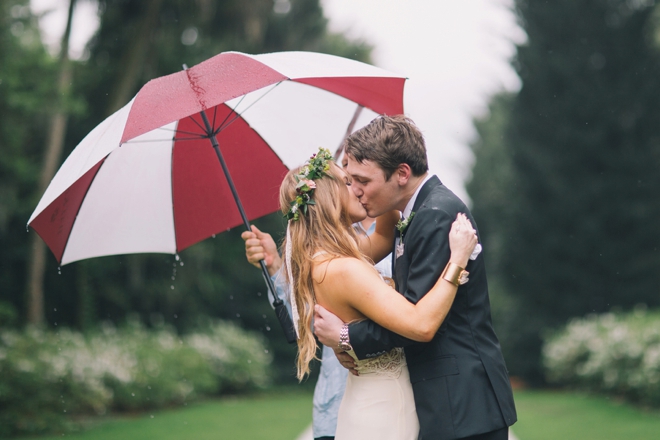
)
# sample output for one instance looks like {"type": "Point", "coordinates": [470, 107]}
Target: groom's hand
{"type": "Point", "coordinates": [327, 327]}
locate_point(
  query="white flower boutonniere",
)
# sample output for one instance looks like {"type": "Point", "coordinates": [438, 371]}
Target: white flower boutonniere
{"type": "Point", "coordinates": [403, 223]}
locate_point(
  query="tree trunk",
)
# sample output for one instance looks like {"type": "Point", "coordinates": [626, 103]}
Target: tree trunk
{"type": "Point", "coordinates": [57, 131]}
{"type": "Point", "coordinates": [134, 58]}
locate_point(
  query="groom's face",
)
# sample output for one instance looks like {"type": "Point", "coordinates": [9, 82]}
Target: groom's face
{"type": "Point", "coordinates": [376, 194]}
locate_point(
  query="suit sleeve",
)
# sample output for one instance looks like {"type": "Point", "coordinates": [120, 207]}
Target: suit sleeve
{"type": "Point", "coordinates": [427, 244]}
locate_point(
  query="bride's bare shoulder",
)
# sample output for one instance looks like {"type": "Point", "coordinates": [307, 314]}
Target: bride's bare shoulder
{"type": "Point", "coordinates": [340, 268]}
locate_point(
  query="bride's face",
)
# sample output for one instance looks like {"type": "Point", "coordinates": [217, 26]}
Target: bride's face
{"type": "Point", "coordinates": [355, 209]}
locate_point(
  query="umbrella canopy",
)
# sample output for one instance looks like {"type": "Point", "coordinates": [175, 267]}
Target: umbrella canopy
{"type": "Point", "coordinates": [147, 178]}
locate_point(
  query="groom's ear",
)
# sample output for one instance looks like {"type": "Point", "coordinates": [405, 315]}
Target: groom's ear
{"type": "Point", "coordinates": [403, 173]}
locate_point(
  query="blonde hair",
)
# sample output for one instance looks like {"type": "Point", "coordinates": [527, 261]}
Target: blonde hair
{"type": "Point", "coordinates": [325, 227]}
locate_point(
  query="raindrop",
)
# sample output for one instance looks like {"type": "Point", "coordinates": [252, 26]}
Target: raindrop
{"type": "Point", "coordinates": [213, 236]}
{"type": "Point", "coordinates": [55, 309]}
{"type": "Point", "coordinates": [175, 317]}
{"type": "Point", "coordinates": [258, 293]}
{"type": "Point", "coordinates": [148, 386]}
{"type": "Point", "coordinates": [238, 315]}
{"type": "Point", "coordinates": [64, 410]}
{"type": "Point", "coordinates": [231, 296]}
{"type": "Point", "coordinates": [267, 328]}
{"type": "Point", "coordinates": [27, 227]}
{"type": "Point", "coordinates": [172, 287]}
{"type": "Point", "coordinates": [173, 277]}
{"type": "Point", "coordinates": [133, 394]}
{"type": "Point", "coordinates": [266, 351]}
{"type": "Point", "coordinates": [59, 270]}
{"type": "Point", "coordinates": [264, 316]}
{"type": "Point", "coordinates": [176, 257]}
{"type": "Point", "coordinates": [174, 264]}
{"type": "Point", "coordinates": [249, 361]}
{"type": "Point", "coordinates": [181, 263]}
{"type": "Point", "coordinates": [152, 416]}
{"type": "Point", "coordinates": [55, 324]}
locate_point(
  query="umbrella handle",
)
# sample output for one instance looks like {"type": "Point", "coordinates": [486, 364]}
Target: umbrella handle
{"type": "Point", "coordinates": [280, 309]}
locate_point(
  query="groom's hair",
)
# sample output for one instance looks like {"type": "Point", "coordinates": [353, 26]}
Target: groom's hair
{"type": "Point", "coordinates": [389, 141]}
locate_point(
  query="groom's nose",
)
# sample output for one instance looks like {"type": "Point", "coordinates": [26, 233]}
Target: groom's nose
{"type": "Point", "coordinates": [357, 190]}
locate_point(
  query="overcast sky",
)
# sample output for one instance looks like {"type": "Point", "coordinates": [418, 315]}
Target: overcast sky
{"type": "Point", "coordinates": [455, 53]}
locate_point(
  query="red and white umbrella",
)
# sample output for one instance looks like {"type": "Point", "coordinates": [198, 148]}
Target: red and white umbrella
{"type": "Point", "coordinates": [149, 179]}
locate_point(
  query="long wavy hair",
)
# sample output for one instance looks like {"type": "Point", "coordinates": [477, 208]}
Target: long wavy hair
{"type": "Point", "coordinates": [326, 227]}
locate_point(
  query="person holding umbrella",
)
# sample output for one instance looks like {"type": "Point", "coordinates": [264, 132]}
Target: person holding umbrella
{"type": "Point", "coordinates": [324, 265]}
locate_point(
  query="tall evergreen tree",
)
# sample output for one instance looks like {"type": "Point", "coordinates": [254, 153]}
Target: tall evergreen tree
{"type": "Point", "coordinates": [578, 234]}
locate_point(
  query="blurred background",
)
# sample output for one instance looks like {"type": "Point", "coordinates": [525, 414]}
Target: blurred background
{"type": "Point", "coordinates": [543, 116]}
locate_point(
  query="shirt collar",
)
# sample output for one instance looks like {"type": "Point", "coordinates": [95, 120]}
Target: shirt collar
{"type": "Point", "coordinates": [411, 202]}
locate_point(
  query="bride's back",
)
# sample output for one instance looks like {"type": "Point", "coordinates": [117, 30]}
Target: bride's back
{"type": "Point", "coordinates": [331, 277]}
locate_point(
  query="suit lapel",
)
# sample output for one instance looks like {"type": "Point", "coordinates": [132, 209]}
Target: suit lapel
{"type": "Point", "coordinates": [421, 197]}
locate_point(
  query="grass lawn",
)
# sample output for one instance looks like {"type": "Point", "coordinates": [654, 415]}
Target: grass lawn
{"type": "Point", "coordinates": [280, 416]}
{"type": "Point", "coordinates": [543, 415]}
{"type": "Point", "coordinates": [570, 416]}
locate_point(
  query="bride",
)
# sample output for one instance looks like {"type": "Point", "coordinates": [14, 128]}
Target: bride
{"type": "Point", "coordinates": [328, 264]}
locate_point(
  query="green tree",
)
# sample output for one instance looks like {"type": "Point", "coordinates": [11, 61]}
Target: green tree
{"type": "Point", "coordinates": [27, 78]}
{"type": "Point", "coordinates": [576, 232]}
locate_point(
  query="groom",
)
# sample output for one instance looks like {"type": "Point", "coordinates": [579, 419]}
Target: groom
{"type": "Point", "coordinates": [460, 382]}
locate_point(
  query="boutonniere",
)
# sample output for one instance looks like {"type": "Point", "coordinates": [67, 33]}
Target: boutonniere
{"type": "Point", "coordinates": [403, 223]}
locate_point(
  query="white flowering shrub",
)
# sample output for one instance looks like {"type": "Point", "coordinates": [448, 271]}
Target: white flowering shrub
{"type": "Point", "coordinates": [46, 376]}
{"type": "Point", "coordinates": [612, 353]}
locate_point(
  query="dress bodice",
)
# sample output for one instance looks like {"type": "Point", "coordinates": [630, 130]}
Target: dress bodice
{"type": "Point", "coordinates": [388, 364]}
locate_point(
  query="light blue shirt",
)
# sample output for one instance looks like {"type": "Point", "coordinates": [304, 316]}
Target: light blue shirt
{"type": "Point", "coordinates": [331, 384]}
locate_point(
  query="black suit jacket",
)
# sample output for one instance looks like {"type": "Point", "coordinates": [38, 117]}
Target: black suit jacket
{"type": "Point", "coordinates": [460, 382]}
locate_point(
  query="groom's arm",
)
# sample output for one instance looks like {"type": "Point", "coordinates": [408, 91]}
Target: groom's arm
{"type": "Point", "coordinates": [428, 247]}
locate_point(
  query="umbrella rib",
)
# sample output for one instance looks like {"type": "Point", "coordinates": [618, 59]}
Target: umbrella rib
{"type": "Point", "coordinates": [238, 115]}
{"type": "Point", "coordinates": [233, 110]}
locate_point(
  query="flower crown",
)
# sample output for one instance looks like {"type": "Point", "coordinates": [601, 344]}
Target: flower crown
{"type": "Point", "coordinates": [315, 168]}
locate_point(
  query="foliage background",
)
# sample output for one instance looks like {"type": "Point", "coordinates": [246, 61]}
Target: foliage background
{"type": "Point", "coordinates": [565, 186]}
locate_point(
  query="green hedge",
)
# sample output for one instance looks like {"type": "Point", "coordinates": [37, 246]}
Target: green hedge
{"type": "Point", "coordinates": [613, 353]}
{"type": "Point", "coordinates": [47, 377]}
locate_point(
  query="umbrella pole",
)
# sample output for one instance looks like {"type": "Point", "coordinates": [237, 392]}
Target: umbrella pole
{"type": "Point", "coordinates": [278, 304]}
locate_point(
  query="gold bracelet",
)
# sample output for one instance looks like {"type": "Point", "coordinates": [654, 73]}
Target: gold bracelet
{"type": "Point", "coordinates": [455, 274]}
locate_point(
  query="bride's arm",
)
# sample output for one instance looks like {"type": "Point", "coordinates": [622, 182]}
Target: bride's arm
{"type": "Point", "coordinates": [379, 244]}
{"type": "Point", "coordinates": [385, 306]}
